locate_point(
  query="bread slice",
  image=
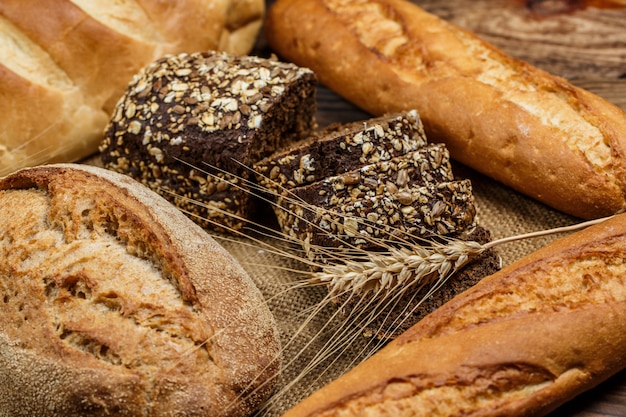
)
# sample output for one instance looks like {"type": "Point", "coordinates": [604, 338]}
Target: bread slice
{"type": "Point", "coordinates": [115, 303]}
{"type": "Point", "coordinates": [364, 190]}
{"type": "Point", "coordinates": [410, 197]}
{"type": "Point", "coordinates": [341, 148]}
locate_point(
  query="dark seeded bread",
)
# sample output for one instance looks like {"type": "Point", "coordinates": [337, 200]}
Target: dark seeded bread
{"type": "Point", "coordinates": [445, 209]}
{"type": "Point", "coordinates": [409, 197]}
{"type": "Point", "coordinates": [341, 148]}
{"type": "Point", "coordinates": [185, 114]}
{"type": "Point", "coordinates": [362, 189]}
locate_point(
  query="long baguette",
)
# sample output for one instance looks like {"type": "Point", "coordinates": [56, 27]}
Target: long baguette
{"type": "Point", "coordinates": [533, 131]}
{"type": "Point", "coordinates": [521, 342]}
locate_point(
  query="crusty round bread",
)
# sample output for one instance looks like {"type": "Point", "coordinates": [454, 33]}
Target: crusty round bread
{"type": "Point", "coordinates": [64, 64]}
{"type": "Point", "coordinates": [112, 302]}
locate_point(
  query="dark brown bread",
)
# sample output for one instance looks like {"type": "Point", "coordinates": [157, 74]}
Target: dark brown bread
{"type": "Point", "coordinates": [410, 197]}
{"type": "Point", "coordinates": [365, 185]}
{"type": "Point", "coordinates": [112, 302]}
{"type": "Point", "coordinates": [339, 148]}
{"type": "Point", "coordinates": [372, 187]}
{"type": "Point", "coordinates": [521, 342]}
{"type": "Point", "coordinates": [191, 126]}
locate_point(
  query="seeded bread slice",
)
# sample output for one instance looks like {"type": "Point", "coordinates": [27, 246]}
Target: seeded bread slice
{"type": "Point", "coordinates": [409, 197]}
{"type": "Point", "coordinates": [341, 148]}
{"type": "Point", "coordinates": [185, 114]}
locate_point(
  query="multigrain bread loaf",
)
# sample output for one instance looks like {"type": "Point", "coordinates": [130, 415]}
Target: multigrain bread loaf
{"type": "Point", "coordinates": [519, 343]}
{"type": "Point", "coordinates": [112, 302]}
{"type": "Point", "coordinates": [64, 64]}
{"type": "Point", "coordinates": [190, 126]}
{"type": "Point", "coordinates": [360, 193]}
{"type": "Point", "coordinates": [514, 122]}
{"type": "Point", "coordinates": [297, 178]}
{"type": "Point", "coordinates": [367, 184]}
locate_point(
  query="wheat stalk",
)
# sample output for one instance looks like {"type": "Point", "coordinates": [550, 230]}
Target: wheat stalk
{"type": "Point", "coordinates": [383, 272]}
{"type": "Point", "coordinates": [396, 267]}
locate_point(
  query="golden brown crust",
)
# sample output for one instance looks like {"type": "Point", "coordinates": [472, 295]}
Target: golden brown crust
{"type": "Point", "coordinates": [96, 47]}
{"type": "Point", "coordinates": [522, 126]}
{"type": "Point", "coordinates": [114, 302]}
{"type": "Point", "coordinates": [521, 342]}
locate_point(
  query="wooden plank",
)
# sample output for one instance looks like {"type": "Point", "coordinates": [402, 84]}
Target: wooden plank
{"type": "Point", "coordinates": [574, 39]}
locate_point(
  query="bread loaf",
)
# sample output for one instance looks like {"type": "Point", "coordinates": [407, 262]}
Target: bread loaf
{"type": "Point", "coordinates": [64, 64]}
{"type": "Point", "coordinates": [521, 342]}
{"type": "Point", "coordinates": [533, 131]}
{"type": "Point", "coordinates": [365, 200]}
{"type": "Point", "coordinates": [339, 148]}
{"type": "Point", "coordinates": [190, 126]}
{"type": "Point", "coordinates": [112, 302]}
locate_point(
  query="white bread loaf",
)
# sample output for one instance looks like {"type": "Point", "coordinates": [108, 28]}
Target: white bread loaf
{"type": "Point", "coordinates": [528, 129]}
{"type": "Point", "coordinates": [65, 63]}
{"type": "Point", "coordinates": [520, 343]}
{"type": "Point", "coordinates": [112, 302]}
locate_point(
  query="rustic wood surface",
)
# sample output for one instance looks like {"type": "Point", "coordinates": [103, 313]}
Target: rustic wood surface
{"type": "Point", "coordinates": [584, 41]}
{"type": "Point", "coordinates": [566, 37]}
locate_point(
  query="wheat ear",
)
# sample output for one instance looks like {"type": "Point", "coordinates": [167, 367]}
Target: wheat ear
{"type": "Point", "coordinates": [382, 272]}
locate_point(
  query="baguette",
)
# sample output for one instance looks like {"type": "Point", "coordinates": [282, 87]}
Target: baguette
{"type": "Point", "coordinates": [528, 129]}
{"type": "Point", "coordinates": [64, 64]}
{"type": "Point", "coordinates": [521, 342]}
{"type": "Point", "coordinates": [115, 303]}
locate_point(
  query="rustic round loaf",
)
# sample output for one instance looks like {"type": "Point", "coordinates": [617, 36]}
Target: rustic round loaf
{"type": "Point", "coordinates": [112, 302]}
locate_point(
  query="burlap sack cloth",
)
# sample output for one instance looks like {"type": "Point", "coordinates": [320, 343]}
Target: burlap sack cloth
{"type": "Point", "coordinates": [501, 210]}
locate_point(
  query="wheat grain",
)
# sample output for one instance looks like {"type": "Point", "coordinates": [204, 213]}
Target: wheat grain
{"type": "Point", "coordinates": [383, 272]}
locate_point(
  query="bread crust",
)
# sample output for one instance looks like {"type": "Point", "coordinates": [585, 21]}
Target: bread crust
{"type": "Point", "coordinates": [528, 129]}
{"type": "Point", "coordinates": [521, 342]}
{"type": "Point", "coordinates": [98, 51]}
{"type": "Point", "coordinates": [134, 310]}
